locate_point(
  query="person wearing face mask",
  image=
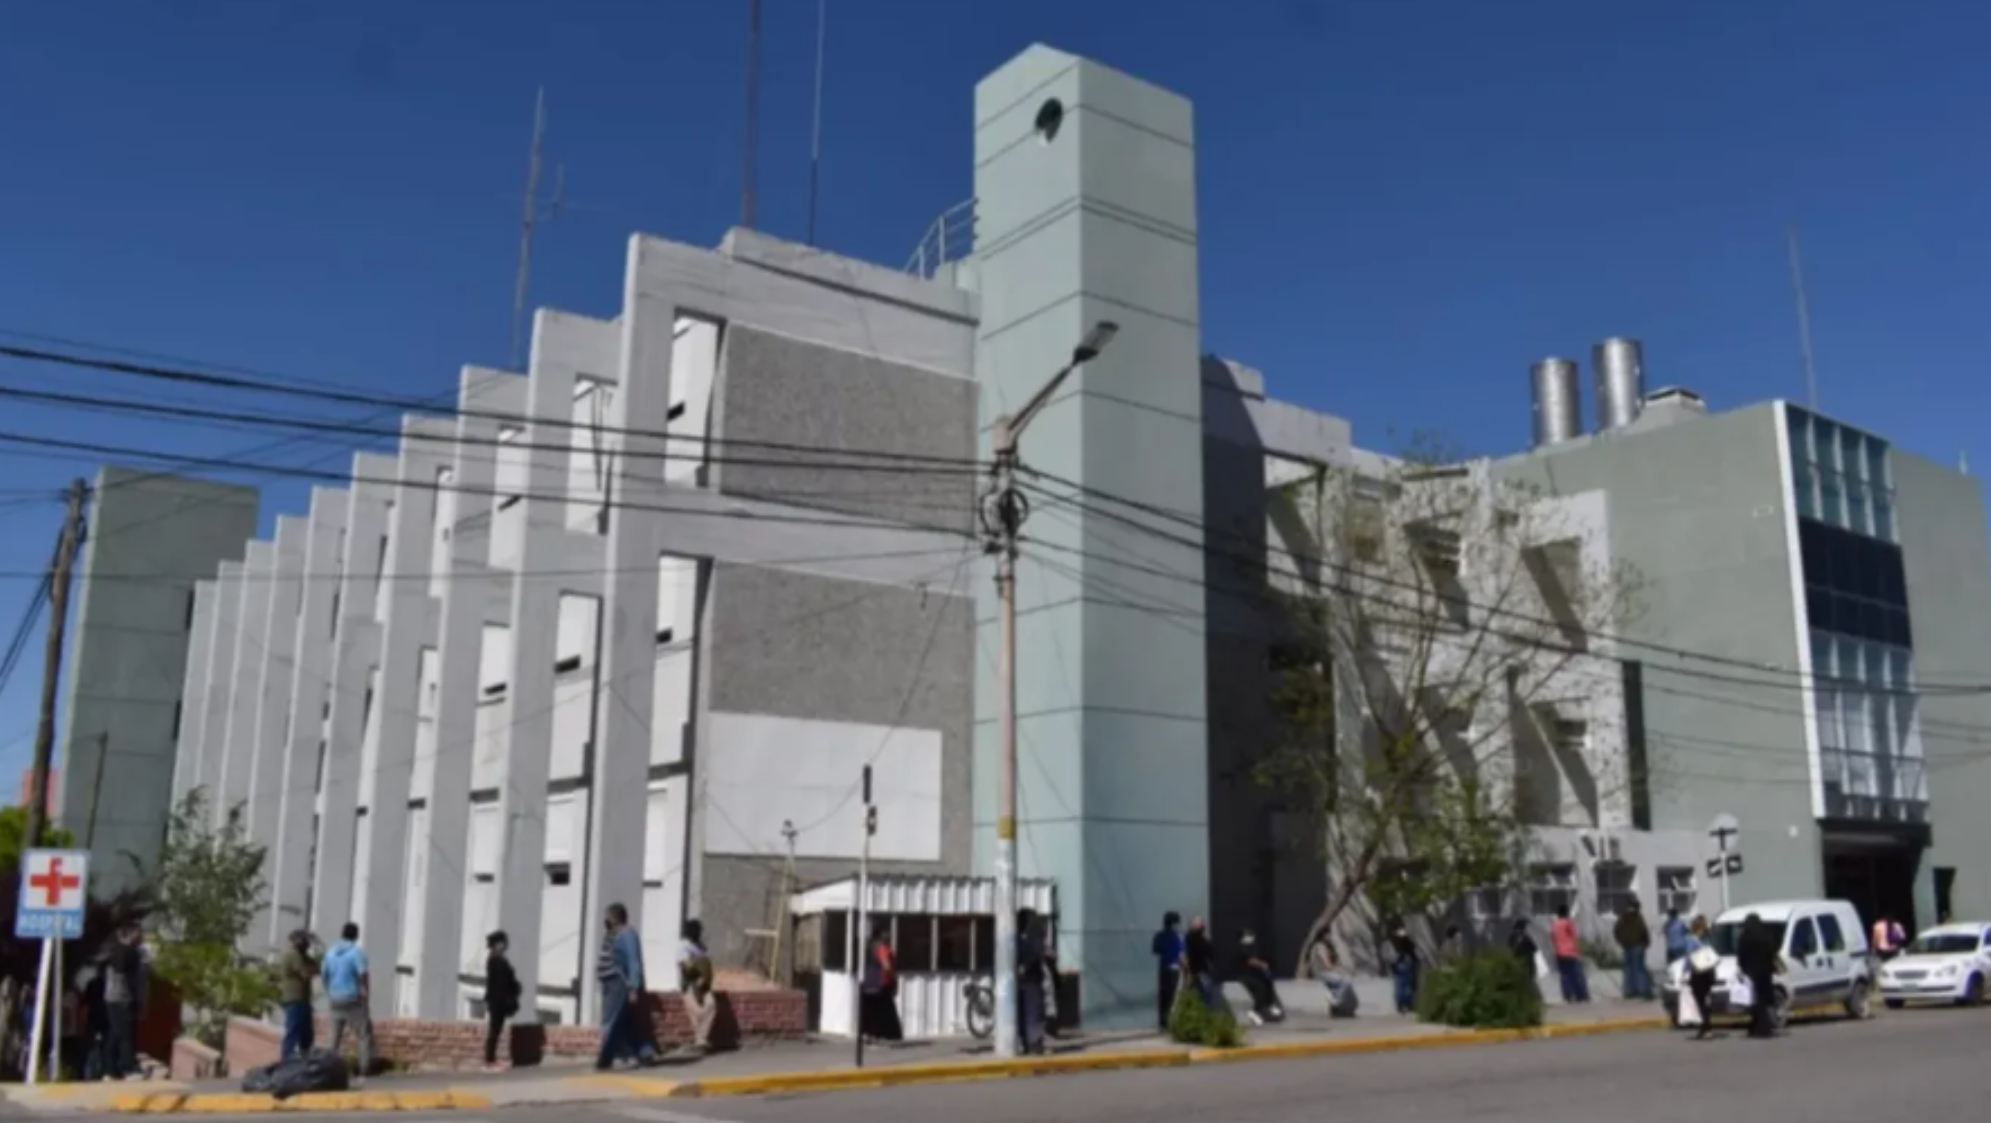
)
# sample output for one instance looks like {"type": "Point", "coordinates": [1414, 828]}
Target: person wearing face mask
{"type": "Point", "coordinates": [1255, 975]}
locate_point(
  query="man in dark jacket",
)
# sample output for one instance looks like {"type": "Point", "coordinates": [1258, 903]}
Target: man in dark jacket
{"type": "Point", "coordinates": [1635, 940]}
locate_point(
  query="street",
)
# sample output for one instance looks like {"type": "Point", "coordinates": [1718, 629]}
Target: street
{"type": "Point", "coordinates": [1915, 1064]}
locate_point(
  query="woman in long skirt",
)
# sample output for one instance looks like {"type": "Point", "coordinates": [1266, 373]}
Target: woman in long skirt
{"type": "Point", "coordinates": [878, 1005]}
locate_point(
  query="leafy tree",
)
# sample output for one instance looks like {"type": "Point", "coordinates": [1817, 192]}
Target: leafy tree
{"type": "Point", "coordinates": [1433, 618]}
{"type": "Point", "coordinates": [14, 828]}
{"type": "Point", "coordinates": [208, 887]}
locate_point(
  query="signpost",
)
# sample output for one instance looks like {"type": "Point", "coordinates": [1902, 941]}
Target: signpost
{"type": "Point", "coordinates": [863, 958]}
{"type": "Point", "coordinates": [1724, 864]}
{"type": "Point", "coordinates": [54, 890]}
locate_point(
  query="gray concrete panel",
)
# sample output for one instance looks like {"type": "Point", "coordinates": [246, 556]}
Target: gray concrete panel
{"type": "Point", "coordinates": [1944, 547]}
{"type": "Point", "coordinates": [193, 694]}
{"type": "Point", "coordinates": [471, 596]}
{"type": "Point", "coordinates": [311, 661]}
{"type": "Point", "coordinates": [274, 679]}
{"type": "Point", "coordinates": [220, 677]}
{"type": "Point", "coordinates": [356, 651]}
{"type": "Point", "coordinates": [406, 629]}
{"type": "Point", "coordinates": [245, 682]}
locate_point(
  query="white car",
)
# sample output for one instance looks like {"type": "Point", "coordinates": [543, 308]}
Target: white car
{"type": "Point", "coordinates": [1824, 949]}
{"type": "Point", "coordinates": [1951, 963]}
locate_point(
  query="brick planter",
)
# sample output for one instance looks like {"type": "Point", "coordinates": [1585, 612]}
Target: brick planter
{"type": "Point", "coordinates": [745, 1017]}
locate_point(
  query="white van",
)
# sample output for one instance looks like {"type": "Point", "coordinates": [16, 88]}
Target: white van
{"type": "Point", "coordinates": [1826, 958]}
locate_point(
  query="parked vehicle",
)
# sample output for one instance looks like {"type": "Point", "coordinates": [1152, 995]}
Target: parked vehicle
{"type": "Point", "coordinates": [1824, 948]}
{"type": "Point", "coordinates": [1951, 963]}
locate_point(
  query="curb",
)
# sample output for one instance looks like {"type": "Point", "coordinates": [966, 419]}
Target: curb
{"type": "Point", "coordinates": [792, 1083]}
{"type": "Point", "coordinates": [231, 1103]}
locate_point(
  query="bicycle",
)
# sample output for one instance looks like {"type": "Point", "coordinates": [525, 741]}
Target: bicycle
{"type": "Point", "coordinates": [979, 997]}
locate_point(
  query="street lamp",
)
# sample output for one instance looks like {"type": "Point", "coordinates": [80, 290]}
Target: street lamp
{"type": "Point", "coordinates": [1004, 509]}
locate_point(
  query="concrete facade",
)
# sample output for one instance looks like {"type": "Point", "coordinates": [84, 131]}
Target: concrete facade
{"type": "Point", "coordinates": [629, 625]}
{"type": "Point", "coordinates": [141, 634]}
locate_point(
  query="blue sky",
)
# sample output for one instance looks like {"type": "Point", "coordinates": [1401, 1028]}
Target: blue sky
{"type": "Point", "coordinates": [1403, 202]}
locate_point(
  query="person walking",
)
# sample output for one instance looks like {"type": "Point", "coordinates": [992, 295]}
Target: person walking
{"type": "Point", "coordinates": [1404, 968]}
{"type": "Point", "coordinates": [121, 982]}
{"type": "Point", "coordinates": [1167, 949]}
{"type": "Point", "coordinates": [1634, 942]}
{"type": "Point", "coordinates": [619, 970]}
{"type": "Point", "coordinates": [501, 994]}
{"type": "Point", "coordinates": [1568, 958]}
{"type": "Point", "coordinates": [694, 972]}
{"type": "Point", "coordinates": [348, 991]}
{"type": "Point", "coordinates": [1029, 982]}
{"type": "Point", "coordinates": [297, 970]}
{"type": "Point", "coordinates": [1703, 962]}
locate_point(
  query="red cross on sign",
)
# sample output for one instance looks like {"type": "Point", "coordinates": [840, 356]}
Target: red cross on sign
{"type": "Point", "coordinates": [51, 883]}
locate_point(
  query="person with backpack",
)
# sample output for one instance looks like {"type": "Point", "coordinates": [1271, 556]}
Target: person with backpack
{"type": "Point", "coordinates": [348, 989]}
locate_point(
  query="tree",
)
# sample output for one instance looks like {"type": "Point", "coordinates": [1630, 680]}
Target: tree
{"type": "Point", "coordinates": [1432, 617]}
{"type": "Point", "coordinates": [208, 887]}
{"type": "Point", "coordinates": [14, 828]}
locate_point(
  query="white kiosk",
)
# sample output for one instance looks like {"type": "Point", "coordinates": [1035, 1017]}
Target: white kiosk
{"type": "Point", "coordinates": [942, 930]}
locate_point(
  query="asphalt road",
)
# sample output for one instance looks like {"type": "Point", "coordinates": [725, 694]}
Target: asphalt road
{"type": "Point", "coordinates": [1907, 1065]}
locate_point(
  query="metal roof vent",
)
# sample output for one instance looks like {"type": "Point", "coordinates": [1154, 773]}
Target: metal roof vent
{"type": "Point", "coordinates": [1619, 368]}
{"type": "Point", "coordinates": [1558, 406]}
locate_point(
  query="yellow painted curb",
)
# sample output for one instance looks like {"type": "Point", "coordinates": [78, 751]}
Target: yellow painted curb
{"type": "Point", "coordinates": [887, 1076]}
{"type": "Point", "coordinates": [1441, 1039]}
{"type": "Point", "coordinates": [642, 1086]}
{"type": "Point", "coordinates": [229, 1103]}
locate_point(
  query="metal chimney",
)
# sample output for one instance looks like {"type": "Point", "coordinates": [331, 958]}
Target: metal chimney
{"type": "Point", "coordinates": [1619, 367]}
{"type": "Point", "coordinates": [1558, 408]}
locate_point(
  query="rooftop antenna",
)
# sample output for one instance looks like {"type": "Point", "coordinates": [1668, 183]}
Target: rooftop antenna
{"type": "Point", "coordinates": [526, 222]}
{"type": "Point", "coordinates": [816, 123]}
{"type": "Point", "coordinates": [1803, 322]}
{"type": "Point", "coordinates": [753, 114]}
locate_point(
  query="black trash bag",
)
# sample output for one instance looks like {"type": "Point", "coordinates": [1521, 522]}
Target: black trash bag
{"type": "Point", "coordinates": [317, 1072]}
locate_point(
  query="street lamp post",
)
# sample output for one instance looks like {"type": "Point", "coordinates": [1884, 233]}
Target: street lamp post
{"type": "Point", "coordinates": [1004, 509]}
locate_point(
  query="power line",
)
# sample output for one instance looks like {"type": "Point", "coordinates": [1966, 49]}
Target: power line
{"type": "Point", "coordinates": [438, 486]}
{"type": "Point", "coordinates": [420, 406]}
{"type": "Point", "coordinates": [1357, 573]}
{"type": "Point", "coordinates": [23, 632]}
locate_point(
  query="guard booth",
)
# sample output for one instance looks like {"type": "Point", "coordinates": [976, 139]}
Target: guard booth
{"type": "Point", "coordinates": [942, 930]}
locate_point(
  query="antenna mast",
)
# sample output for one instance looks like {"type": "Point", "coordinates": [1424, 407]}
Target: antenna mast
{"type": "Point", "coordinates": [526, 223]}
{"type": "Point", "coordinates": [816, 124]}
{"type": "Point", "coordinates": [753, 114]}
{"type": "Point", "coordinates": [1803, 322]}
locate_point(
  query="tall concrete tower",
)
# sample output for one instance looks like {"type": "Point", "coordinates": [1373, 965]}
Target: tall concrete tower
{"type": "Point", "coordinates": [1086, 194]}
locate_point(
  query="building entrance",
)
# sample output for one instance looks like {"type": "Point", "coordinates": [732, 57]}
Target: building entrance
{"type": "Point", "coordinates": [1879, 879]}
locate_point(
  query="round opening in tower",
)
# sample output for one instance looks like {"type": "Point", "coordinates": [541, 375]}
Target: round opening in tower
{"type": "Point", "coordinates": [1050, 116]}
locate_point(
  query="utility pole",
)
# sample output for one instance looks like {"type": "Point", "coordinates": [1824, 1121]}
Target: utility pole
{"type": "Point", "coordinates": [753, 115]}
{"type": "Point", "coordinates": [51, 678]}
{"type": "Point", "coordinates": [1004, 509]}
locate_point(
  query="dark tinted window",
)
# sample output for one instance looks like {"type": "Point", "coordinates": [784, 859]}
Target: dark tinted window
{"type": "Point", "coordinates": [1854, 585]}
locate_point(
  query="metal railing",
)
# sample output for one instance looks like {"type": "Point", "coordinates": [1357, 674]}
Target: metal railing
{"type": "Point", "coordinates": [1885, 787]}
{"type": "Point", "coordinates": [949, 237]}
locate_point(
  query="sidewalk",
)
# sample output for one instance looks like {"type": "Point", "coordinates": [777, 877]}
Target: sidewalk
{"type": "Point", "coordinates": [829, 1065]}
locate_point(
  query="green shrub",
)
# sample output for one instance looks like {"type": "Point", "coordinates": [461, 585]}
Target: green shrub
{"type": "Point", "coordinates": [1193, 1023]}
{"type": "Point", "coordinates": [1485, 990]}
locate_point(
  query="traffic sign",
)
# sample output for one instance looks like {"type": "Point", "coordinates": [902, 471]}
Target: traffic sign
{"type": "Point", "coordinates": [54, 891]}
{"type": "Point", "coordinates": [1724, 827]}
{"type": "Point", "coordinates": [1728, 865]}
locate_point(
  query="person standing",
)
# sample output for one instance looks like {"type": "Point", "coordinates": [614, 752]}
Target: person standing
{"type": "Point", "coordinates": [501, 994]}
{"type": "Point", "coordinates": [296, 971]}
{"type": "Point", "coordinates": [121, 982]}
{"type": "Point", "coordinates": [619, 969]}
{"type": "Point", "coordinates": [1888, 937]}
{"type": "Point", "coordinates": [1568, 958]}
{"type": "Point", "coordinates": [878, 988]}
{"type": "Point", "coordinates": [1029, 982]}
{"type": "Point", "coordinates": [348, 990]}
{"type": "Point", "coordinates": [1679, 937]}
{"type": "Point", "coordinates": [694, 971]}
{"type": "Point", "coordinates": [1167, 949]}
{"type": "Point", "coordinates": [1703, 962]}
{"type": "Point", "coordinates": [1404, 967]}
{"type": "Point", "coordinates": [1199, 962]}
{"type": "Point", "coordinates": [1634, 942]}
{"type": "Point", "coordinates": [1756, 960]}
